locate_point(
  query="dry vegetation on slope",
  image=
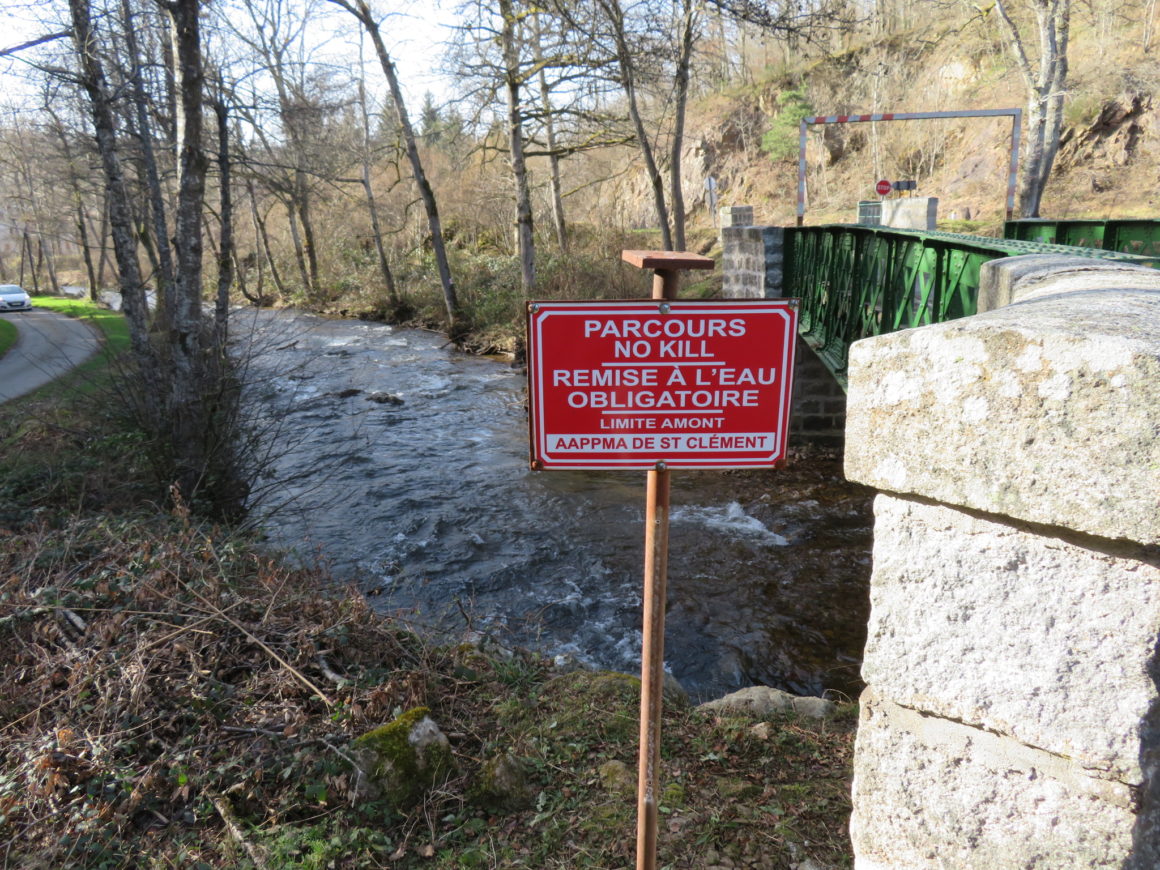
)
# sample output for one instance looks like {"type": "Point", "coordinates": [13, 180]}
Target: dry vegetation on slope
{"type": "Point", "coordinates": [1108, 165]}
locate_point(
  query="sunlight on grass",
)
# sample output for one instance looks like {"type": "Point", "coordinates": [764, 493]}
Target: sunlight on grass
{"type": "Point", "coordinates": [110, 323]}
{"type": "Point", "coordinates": [115, 339]}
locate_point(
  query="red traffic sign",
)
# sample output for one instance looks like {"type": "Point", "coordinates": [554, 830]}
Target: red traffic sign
{"type": "Point", "coordinates": [660, 384]}
{"type": "Point", "coordinates": [883, 187]}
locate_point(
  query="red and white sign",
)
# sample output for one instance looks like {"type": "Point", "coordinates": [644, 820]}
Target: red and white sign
{"type": "Point", "coordinates": [691, 384]}
{"type": "Point", "coordinates": [883, 187]}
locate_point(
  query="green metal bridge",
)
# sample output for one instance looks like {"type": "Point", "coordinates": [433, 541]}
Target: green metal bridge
{"type": "Point", "coordinates": [859, 281]}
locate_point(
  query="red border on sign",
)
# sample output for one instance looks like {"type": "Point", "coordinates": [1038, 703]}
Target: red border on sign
{"type": "Point", "coordinates": [640, 384]}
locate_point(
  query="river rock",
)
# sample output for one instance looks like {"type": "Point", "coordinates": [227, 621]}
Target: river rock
{"type": "Point", "coordinates": [400, 761]}
{"type": "Point", "coordinates": [502, 785]}
{"type": "Point", "coordinates": [617, 778]}
{"type": "Point", "coordinates": [385, 398]}
{"type": "Point", "coordinates": [762, 701]}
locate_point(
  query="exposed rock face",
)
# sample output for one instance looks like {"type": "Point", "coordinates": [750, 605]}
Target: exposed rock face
{"type": "Point", "coordinates": [1012, 715]}
{"type": "Point", "coordinates": [1112, 137]}
{"type": "Point", "coordinates": [402, 760]}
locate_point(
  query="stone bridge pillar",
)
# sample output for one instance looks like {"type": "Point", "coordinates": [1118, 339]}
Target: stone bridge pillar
{"type": "Point", "coordinates": [752, 261]}
{"type": "Point", "coordinates": [1012, 715]}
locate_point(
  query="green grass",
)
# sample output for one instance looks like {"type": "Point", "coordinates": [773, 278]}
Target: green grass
{"type": "Point", "coordinates": [111, 325]}
{"type": "Point", "coordinates": [7, 336]}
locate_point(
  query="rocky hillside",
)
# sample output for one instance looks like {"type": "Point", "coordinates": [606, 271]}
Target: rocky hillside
{"type": "Point", "coordinates": [1107, 165]}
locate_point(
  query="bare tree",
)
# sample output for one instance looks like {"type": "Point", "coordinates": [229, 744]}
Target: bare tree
{"type": "Point", "coordinates": [1045, 80]}
{"type": "Point", "coordinates": [362, 12]}
{"type": "Point", "coordinates": [513, 79]}
{"type": "Point", "coordinates": [155, 198]}
{"type": "Point", "coordinates": [628, 57]}
{"type": "Point", "coordinates": [372, 205]}
{"type": "Point", "coordinates": [688, 23]}
{"type": "Point", "coordinates": [556, 190]}
{"type": "Point", "coordinates": [92, 79]}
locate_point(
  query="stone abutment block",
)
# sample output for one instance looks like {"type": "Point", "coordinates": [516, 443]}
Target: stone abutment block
{"type": "Point", "coordinates": [1012, 715]}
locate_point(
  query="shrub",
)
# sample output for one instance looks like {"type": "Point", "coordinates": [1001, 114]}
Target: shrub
{"type": "Point", "coordinates": [781, 139]}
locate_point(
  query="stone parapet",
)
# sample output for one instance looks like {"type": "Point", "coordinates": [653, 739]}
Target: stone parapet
{"type": "Point", "coordinates": [1044, 410]}
{"type": "Point", "coordinates": [735, 216]}
{"type": "Point", "coordinates": [910, 213]}
{"type": "Point", "coordinates": [1012, 715]}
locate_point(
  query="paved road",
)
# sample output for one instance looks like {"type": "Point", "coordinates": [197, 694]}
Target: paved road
{"type": "Point", "coordinates": [49, 345]}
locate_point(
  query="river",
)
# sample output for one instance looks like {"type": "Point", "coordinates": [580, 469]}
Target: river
{"type": "Point", "coordinates": [403, 468]}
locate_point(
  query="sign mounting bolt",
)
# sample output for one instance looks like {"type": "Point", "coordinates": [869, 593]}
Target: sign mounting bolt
{"type": "Point", "coordinates": [661, 465]}
{"type": "Point", "coordinates": [665, 308]}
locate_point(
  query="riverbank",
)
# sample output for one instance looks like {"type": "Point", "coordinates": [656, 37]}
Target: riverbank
{"type": "Point", "coordinates": [171, 695]}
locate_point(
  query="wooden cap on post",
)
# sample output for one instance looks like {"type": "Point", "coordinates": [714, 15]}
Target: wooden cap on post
{"type": "Point", "coordinates": [666, 260]}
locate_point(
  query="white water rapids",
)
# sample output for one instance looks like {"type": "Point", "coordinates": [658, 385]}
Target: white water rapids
{"type": "Point", "coordinates": [403, 467]}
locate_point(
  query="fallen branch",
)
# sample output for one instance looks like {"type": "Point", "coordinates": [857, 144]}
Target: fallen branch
{"type": "Point", "coordinates": [233, 826]}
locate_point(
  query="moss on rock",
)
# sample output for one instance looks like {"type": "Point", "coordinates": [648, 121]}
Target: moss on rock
{"type": "Point", "coordinates": [402, 760]}
{"type": "Point", "coordinates": [502, 785]}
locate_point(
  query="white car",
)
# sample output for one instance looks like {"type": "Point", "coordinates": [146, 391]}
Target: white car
{"type": "Point", "coordinates": [13, 298]}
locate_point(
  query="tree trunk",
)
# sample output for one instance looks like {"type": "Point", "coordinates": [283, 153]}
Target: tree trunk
{"type": "Point", "coordinates": [86, 250]}
{"type": "Point", "coordinates": [360, 10]}
{"type": "Point", "coordinates": [92, 78]}
{"type": "Point", "coordinates": [299, 254]}
{"type": "Point", "coordinates": [103, 239]}
{"type": "Point", "coordinates": [26, 257]}
{"type": "Point", "coordinates": [50, 266]}
{"type": "Point", "coordinates": [187, 406]}
{"type": "Point", "coordinates": [525, 236]}
{"type": "Point", "coordinates": [1045, 88]}
{"type": "Point", "coordinates": [305, 217]}
{"type": "Point", "coordinates": [156, 197]}
{"type": "Point", "coordinates": [369, 191]}
{"type": "Point", "coordinates": [684, 60]}
{"type": "Point", "coordinates": [225, 252]}
{"type": "Point", "coordinates": [264, 240]}
{"type": "Point", "coordinates": [557, 196]}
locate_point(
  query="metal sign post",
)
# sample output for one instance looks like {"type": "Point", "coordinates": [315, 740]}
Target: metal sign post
{"type": "Point", "coordinates": [667, 268]}
{"type": "Point", "coordinates": [655, 385]}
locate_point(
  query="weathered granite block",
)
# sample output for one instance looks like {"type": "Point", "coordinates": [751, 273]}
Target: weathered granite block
{"type": "Point", "coordinates": [913, 213]}
{"type": "Point", "coordinates": [1013, 660]}
{"type": "Point", "coordinates": [735, 216]}
{"type": "Point", "coordinates": [933, 793]}
{"type": "Point", "coordinates": [1015, 632]}
{"type": "Point", "coordinates": [1010, 279]}
{"type": "Point", "coordinates": [1047, 410]}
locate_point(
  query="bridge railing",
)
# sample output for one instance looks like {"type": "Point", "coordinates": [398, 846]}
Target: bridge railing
{"type": "Point", "coordinates": [858, 281]}
{"type": "Point", "coordinates": [1128, 236]}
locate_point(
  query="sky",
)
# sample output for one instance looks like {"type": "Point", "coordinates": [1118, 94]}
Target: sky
{"type": "Point", "coordinates": [412, 31]}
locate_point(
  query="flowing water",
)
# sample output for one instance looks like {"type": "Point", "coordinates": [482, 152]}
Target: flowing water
{"type": "Point", "coordinates": [405, 470]}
